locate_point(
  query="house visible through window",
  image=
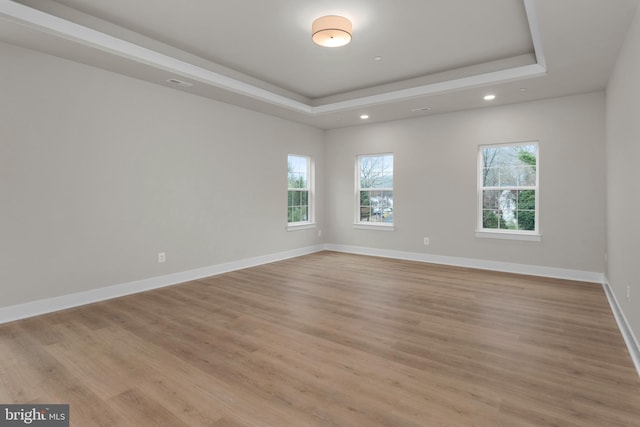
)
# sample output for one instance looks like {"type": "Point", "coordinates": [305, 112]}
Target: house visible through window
{"type": "Point", "coordinates": [508, 188]}
{"type": "Point", "coordinates": [375, 189]}
{"type": "Point", "coordinates": [299, 195]}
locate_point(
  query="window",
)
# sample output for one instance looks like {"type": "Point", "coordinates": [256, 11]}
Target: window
{"type": "Point", "coordinates": [299, 207]}
{"type": "Point", "coordinates": [375, 189]}
{"type": "Point", "coordinates": [508, 188]}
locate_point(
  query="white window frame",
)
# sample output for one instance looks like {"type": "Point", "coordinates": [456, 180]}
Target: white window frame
{"type": "Point", "coordinates": [358, 223]}
{"type": "Point", "coordinates": [310, 222]}
{"type": "Point", "coordinates": [530, 235]}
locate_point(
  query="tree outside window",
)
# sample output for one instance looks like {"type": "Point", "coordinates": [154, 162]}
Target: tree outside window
{"type": "Point", "coordinates": [509, 187]}
{"type": "Point", "coordinates": [375, 189]}
{"type": "Point", "coordinates": [299, 204]}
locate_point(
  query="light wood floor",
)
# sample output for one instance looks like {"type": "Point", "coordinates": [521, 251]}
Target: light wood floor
{"type": "Point", "coordinates": [332, 340]}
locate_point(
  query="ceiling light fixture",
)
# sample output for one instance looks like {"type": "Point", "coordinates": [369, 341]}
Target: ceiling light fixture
{"type": "Point", "coordinates": [331, 31]}
{"type": "Point", "coordinates": [364, 116]}
{"type": "Point", "coordinates": [489, 97]}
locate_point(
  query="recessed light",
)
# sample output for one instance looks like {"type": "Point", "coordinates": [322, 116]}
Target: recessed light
{"type": "Point", "coordinates": [490, 97]}
{"type": "Point", "coordinates": [364, 116]}
{"type": "Point", "coordinates": [523, 89]}
{"type": "Point", "coordinates": [419, 109]}
{"type": "Point", "coordinates": [377, 58]}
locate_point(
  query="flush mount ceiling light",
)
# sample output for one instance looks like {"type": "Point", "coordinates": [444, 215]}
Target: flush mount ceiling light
{"type": "Point", "coordinates": [490, 97]}
{"type": "Point", "coordinates": [331, 31]}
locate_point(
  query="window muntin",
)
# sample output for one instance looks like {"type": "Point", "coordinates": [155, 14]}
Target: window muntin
{"type": "Point", "coordinates": [299, 190]}
{"type": "Point", "coordinates": [508, 188]}
{"type": "Point", "coordinates": [375, 189]}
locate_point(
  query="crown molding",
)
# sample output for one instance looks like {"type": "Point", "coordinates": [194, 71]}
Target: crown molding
{"type": "Point", "coordinates": [68, 30]}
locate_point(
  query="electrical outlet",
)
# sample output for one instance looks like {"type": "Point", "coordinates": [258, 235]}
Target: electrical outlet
{"type": "Point", "coordinates": [628, 293]}
{"type": "Point", "coordinates": [426, 241]}
{"type": "Point", "coordinates": [162, 257]}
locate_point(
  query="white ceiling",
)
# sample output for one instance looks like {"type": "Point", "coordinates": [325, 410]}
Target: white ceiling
{"type": "Point", "coordinates": [440, 54]}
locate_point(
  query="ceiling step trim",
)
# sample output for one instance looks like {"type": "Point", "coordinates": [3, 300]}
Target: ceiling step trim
{"type": "Point", "coordinates": [59, 27]}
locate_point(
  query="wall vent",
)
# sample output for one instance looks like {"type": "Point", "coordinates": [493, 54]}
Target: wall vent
{"type": "Point", "coordinates": [179, 83]}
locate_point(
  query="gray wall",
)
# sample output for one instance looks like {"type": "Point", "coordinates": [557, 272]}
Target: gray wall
{"type": "Point", "coordinates": [100, 172]}
{"type": "Point", "coordinates": [623, 177]}
{"type": "Point", "coordinates": [435, 182]}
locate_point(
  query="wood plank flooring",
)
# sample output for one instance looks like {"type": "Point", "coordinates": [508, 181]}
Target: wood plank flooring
{"type": "Point", "coordinates": [332, 339]}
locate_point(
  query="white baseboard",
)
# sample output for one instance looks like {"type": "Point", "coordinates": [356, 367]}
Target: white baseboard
{"type": "Point", "coordinates": [625, 329]}
{"type": "Point", "coordinates": [532, 270]}
{"type": "Point", "coordinates": [49, 305]}
{"type": "Point", "coordinates": [35, 308]}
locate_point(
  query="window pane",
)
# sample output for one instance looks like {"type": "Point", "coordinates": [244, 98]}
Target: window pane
{"type": "Point", "coordinates": [527, 220]}
{"type": "Point", "coordinates": [490, 157]}
{"type": "Point", "coordinates": [387, 179]}
{"type": "Point", "coordinates": [491, 219]}
{"type": "Point", "coordinates": [367, 172]}
{"type": "Point", "coordinates": [375, 174]}
{"type": "Point", "coordinates": [527, 199]}
{"type": "Point", "coordinates": [387, 172]}
{"type": "Point", "coordinates": [377, 181]}
{"type": "Point", "coordinates": [490, 177]}
{"type": "Point", "coordinates": [527, 176]}
{"type": "Point", "coordinates": [526, 209]}
{"type": "Point", "coordinates": [512, 166]}
{"type": "Point", "coordinates": [304, 165]}
{"type": "Point", "coordinates": [507, 204]}
{"type": "Point", "coordinates": [376, 216]}
{"type": "Point", "coordinates": [298, 172]}
{"type": "Point", "coordinates": [387, 163]}
{"type": "Point", "coordinates": [491, 199]}
{"type": "Point", "coordinates": [365, 213]}
{"type": "Point", "coordinates": [387, 206]}
{"type": "Point", "coordinates": [508, 176]}
{"type": "Point", "coordinates": [365, 205]}
{"type": "Point", "coordinates": [387, 199]}
{"type": "Point", "coordinates": [302, 181]}
{"type": "Point", "coordinates": [376, 200]}
{"type": "Point", "coordinates": [299, 181]}
{"type": "Point", "coordinates": [365, 198]}
{"type": "Point", "coordinates": [528, 154]}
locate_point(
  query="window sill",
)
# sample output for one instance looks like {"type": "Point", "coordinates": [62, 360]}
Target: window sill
{"type": "Point", "coordinates": [505, 235]}
{"type": "Point", "coordinates": [377, 227]}
{"type": "Point", "coordinates": [301, 226]}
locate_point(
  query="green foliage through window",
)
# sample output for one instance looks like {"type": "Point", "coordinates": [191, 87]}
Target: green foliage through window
{"type": "Point", "coordinates": [298, 203]}
{"type": "Point", "coordinates": [375, 187]}
{"type": "Point", "coordinates": [509, 186]}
